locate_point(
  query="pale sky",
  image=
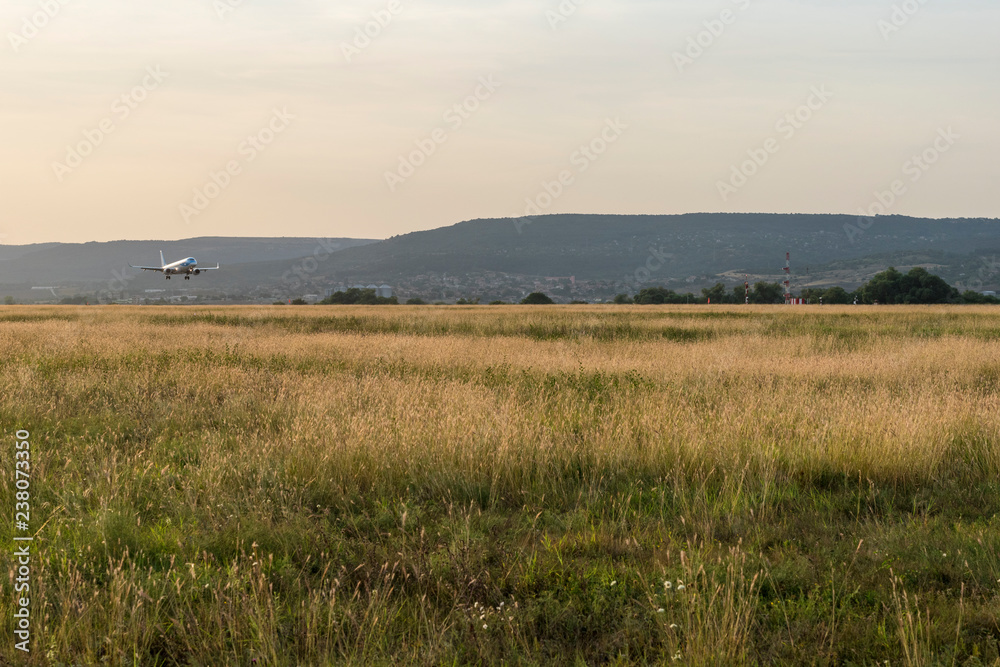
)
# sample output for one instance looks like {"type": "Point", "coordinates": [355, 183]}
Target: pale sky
{"type": "Point", "coordinates": [560, 75]}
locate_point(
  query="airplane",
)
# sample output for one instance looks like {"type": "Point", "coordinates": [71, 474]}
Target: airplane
{"type": "Point", "coordinates": [185, 267]}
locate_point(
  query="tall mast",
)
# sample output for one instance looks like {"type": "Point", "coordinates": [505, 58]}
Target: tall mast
{"type": "Point", "coordinates": [788, 277]}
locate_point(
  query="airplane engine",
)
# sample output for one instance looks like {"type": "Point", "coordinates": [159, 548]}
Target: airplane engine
{"type": "Point", "coordinates": [197, 272]}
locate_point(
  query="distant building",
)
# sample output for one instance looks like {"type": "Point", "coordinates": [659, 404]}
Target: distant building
{"type": "Point", "coordinates": [311, 298]}
{"type": "Point", "coordinates": [384, 291]}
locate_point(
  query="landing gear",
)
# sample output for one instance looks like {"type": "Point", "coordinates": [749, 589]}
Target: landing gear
{"type": "Point", "coordinates": [168, 277]}
{"type": "Point", "coordinates": [187, 277]}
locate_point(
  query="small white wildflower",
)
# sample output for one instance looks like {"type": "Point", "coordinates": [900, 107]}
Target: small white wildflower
{"type": "Point", "coordinates": [485, 626]}
{"type": "Point", "coordinates": [660, 610]}
{"type": "Point", "coordinates": [673, 626]}
{"type": "Point", "coordinates": [667, 585]}
{"type": "Point", "coordinates": [680, 587]}
{"type": "Point", "coordinates": [615, 582]}
{"type": "Point", "coordinates": [482, 616]}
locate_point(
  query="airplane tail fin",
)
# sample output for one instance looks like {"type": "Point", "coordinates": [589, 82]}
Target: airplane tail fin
{"type": "Point", "coordinates": [163, 262]}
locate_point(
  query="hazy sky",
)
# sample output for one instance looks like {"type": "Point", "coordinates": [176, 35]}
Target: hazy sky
{"type": "Point", "coordinates": [115, 112]}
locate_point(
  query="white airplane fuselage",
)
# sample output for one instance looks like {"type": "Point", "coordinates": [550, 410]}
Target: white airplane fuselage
{"type": "Point", "coordinates": [185, 267]}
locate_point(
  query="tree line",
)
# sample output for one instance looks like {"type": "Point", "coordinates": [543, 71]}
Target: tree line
{"type": "Point", "coordinates": [917, 286]}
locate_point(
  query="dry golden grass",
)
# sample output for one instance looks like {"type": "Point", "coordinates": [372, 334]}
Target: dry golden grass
{"type": "Point", "coordinates": [314, 485]}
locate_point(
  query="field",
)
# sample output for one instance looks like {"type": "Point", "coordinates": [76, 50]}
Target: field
{"type": "Point", "coordinates": [506, 485]}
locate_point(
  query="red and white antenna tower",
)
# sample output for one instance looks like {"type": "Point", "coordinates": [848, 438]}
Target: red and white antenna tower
{"type": "Point", "coordinates": [788, 277]}
{"type": "Point", "coordinates": [746, 285]}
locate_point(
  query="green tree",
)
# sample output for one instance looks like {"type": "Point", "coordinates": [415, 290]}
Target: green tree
{"type": "Point", "coordinates": [9, 301]}
{"type": "Point", "coordinates": [623, 299]}
{"type": "Point", "coordinates": [652, 296]}
{"type": "Point", "coordinates": [767, 293]}
{"type": "Point", "coordinates": [837, 295]}
{"type": "Point", "coordinates": [537, 299]}
{"type": "Point", "coordinates": [416, 302]}
{"type": "Point", "coordinates": [658, 295]}
{"type": "Point", "coordinates": [830, 295]}
{"type": "Point", "coordinates": [918, 287]}
{"type": "Point", "coordinates": [359, 297]}
{"type": "Point", "coordinates": [715, 294]}
{"type": "Point", "coordinates": [969, 296]}
{"type": "Point", "coordinates": [882, 288]}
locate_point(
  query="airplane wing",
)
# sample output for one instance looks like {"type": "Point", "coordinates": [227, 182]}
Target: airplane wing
{"type": "Point", "coordinates": [209, 268]}
{"type": "Point", "coordinates": [148, 268]}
